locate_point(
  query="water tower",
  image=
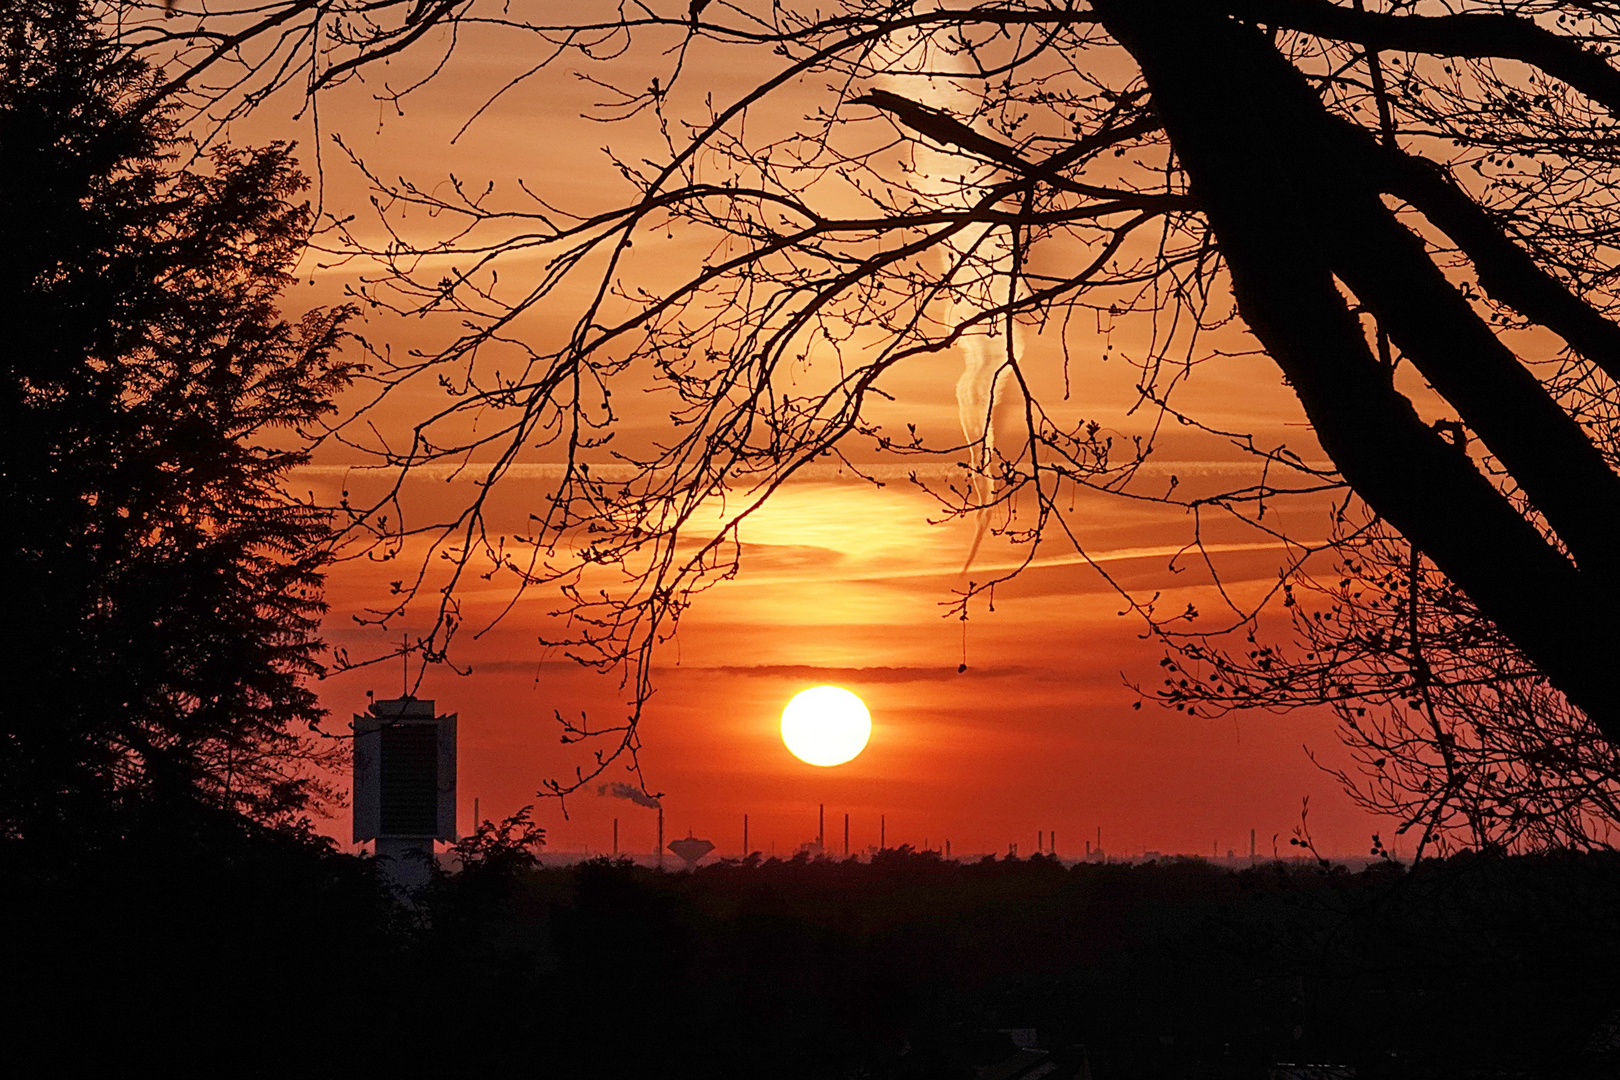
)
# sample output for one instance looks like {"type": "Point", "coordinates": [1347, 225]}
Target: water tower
{"type": "Point", "coordinates": [404, 785]}
{"type": "Point", "coordinates": [691, 850]}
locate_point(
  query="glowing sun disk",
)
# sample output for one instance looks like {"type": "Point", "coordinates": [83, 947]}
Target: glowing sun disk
{"type": "Point", "coordinates": [826, 725]}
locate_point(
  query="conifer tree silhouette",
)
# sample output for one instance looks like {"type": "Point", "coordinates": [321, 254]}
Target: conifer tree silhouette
{"type": "Point", "coordinates": [162, 586]}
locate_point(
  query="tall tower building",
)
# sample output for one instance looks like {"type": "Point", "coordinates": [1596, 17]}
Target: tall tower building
{"type": "Point", "coordinates": [404, 785]}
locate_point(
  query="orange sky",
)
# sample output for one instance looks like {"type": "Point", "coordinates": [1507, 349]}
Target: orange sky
{"type": "Point", "coordinates": [842, 583]}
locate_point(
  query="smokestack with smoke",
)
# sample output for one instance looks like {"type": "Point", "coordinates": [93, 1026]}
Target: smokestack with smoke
{"type": "Point", "coordinates": [629, 791]}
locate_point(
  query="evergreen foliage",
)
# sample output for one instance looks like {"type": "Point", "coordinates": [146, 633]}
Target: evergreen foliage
{"type": "Point", "coordinates": [163, 588]}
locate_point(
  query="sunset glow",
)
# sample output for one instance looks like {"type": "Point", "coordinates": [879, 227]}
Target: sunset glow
{"type": "Point", "coordinates": [1018, 720]}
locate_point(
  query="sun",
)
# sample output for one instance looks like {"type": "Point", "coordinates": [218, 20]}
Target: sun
{"type": "Point", "coordinates": [826, 725]}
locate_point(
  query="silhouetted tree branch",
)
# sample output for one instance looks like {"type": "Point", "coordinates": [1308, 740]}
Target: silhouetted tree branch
{"type": "Point", "coordinates": [1454, 732]}
{"type": "Point", "coordinates": [1360, 190]}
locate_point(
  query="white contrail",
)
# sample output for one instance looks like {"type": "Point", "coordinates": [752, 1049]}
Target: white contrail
{"type": "Point", "coordinates": [985, 363]}
{"type": "Point", "coordinates": [978, 393]}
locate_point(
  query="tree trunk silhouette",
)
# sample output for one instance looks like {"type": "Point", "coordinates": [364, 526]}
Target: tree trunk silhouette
{"type": "Point", "coordinates": [1294, 211]}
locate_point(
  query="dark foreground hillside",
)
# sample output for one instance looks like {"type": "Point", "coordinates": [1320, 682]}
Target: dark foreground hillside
{"type": "Point", "coordinates": [254, 953]}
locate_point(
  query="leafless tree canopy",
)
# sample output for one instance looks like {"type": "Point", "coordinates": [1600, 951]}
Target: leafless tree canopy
{"type": "Point", "coordinates": [1452, 731]}
{"type": "Point", "coordinates": [1365, 189]}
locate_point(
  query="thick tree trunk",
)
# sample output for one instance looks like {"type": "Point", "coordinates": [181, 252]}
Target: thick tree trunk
{"type": "Point", "coordinates": [1505, 271]}
{"type": "Point", "coordinates": [1385, 265]}
{"type": "Point", "coordinates": [1290, 218]}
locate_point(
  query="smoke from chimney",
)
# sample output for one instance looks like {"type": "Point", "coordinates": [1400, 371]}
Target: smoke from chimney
{"type": "Point", "coordinates": [628, 791]}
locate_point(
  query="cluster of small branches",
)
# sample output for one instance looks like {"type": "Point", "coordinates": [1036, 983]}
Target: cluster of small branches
{"type": "Point", "coordinates": [223, 60]}
{"type": "Point", "coordinates": [1453, 733]}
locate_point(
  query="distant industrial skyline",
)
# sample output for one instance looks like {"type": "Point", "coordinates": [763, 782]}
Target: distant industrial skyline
{"type": "Point", "coordinates": [634, 832]}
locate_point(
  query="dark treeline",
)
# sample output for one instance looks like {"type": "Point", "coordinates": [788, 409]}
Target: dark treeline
{"type": "Point", "coordinates": [266, 949]}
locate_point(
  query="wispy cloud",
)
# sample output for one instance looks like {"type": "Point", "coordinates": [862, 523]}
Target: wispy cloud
{"type": "Point", "coordinates": [862, 674]}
